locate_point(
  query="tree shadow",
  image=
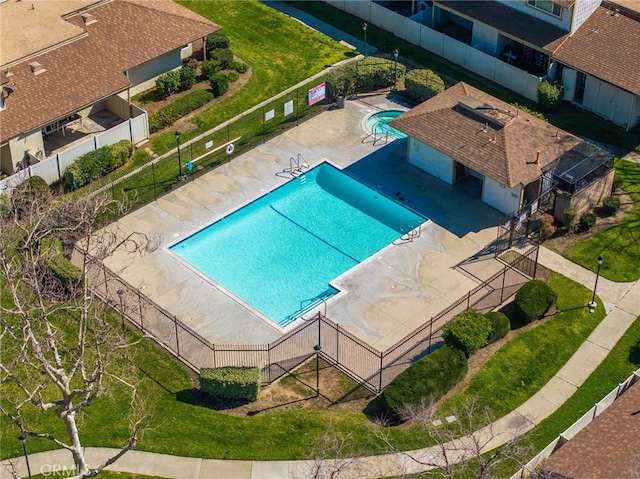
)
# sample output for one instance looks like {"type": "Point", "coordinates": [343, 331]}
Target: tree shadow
{"type": "Point", "coordinates": [634, 354]}
{"type": "Point", "coordinates": [196, 397]}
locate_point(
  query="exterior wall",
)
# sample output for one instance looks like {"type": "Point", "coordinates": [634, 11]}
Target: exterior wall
{"type": "Point", "coordinates": [586, 199]}
{"type": "Point", "coordinates": [5, 158]}
{"type": "Point", "coordinates": [119, 105]}
{"type": "Point", "coordinates": [563, 22]}
{"type": "Point", "coordinates": [95, 108]}
{"type": "Point", "coordinates": [504, 199]}
{"type": "Point", "coordinates": [582, 10]}
{"type": "Point", "coordinates": [485, 38]}
{"type": "Point", "coordinates": [32, 141]}
{"type": "Point", "coordinates": [609, 101]}
{"type": "Point", "coordinates": [430, 160]}
{"type": "Point", "coordinates": [143, 76]}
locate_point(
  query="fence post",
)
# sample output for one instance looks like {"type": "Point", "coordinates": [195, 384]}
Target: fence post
{"type": "Point", "coordinates": [141, 312]}
{"type": "Point", "coordinates": [380, 375]}
{"type": "Point", "coordinates": [213, 350]}
{"type": "Point", "coordinates": [337, 343]}
{"type": "Point", "coordinates": [504, 276]}
{"type": "Point", "coordinates": [175, 324]}
{"type": "Point", "coordinates": [269, 362]}
{"type": "Point", "coordinates": [468, 300]}
{"type": "Point", "coordinates": [430, 335]}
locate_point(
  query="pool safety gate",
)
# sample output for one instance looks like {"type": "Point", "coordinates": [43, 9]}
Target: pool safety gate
{"type": "Point", "coordinates": [369, 367]}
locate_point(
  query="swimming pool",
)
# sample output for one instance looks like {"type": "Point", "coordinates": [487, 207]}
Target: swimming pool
{"type": "Point", "coordinates": [378, 123]}
{"type": "Point", "coordinates": [279, 253]}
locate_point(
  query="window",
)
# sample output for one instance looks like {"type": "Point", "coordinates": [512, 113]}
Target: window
{"type": "Point", "coordinates": [546, 6]}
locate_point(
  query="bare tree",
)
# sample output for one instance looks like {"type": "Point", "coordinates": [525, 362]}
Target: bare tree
{"type": "Point", "coordinates": [60, 350]}
{"type": "Point", "coordinates": [462, 448]}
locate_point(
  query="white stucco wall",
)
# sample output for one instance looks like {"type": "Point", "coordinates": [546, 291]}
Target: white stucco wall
{"type": "Point", "coordinates": [143, 76]}
{"type": "Point", "coordinates": [564, 21]}
{"type": "Point", "coordinates": [430, 160]}
{"type": "Point", "coordinates": [32, 141]}
{"type": "Point", "coordinates": [502, 198]}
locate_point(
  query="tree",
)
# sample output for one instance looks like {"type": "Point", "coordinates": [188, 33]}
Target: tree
{"type": "Point", "coordinates": [60, 349]}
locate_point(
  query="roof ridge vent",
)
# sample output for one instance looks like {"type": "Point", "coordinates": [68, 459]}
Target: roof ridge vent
{"type": "Point", "coordinates": [497, 116]}
{"type": "Point", "coordinates": [37, 68]}
{"type": "Point", "coordinates": [88, 19]}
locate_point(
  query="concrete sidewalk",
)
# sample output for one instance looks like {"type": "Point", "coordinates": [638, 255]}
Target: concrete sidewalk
{"type": "Point", "coordinates": [622, 301]}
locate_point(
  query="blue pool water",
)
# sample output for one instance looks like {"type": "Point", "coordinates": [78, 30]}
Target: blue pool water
{"type": "Point", "coordinates": [378, 123]}
{"type": "Point", "coordinates": [280, 252]}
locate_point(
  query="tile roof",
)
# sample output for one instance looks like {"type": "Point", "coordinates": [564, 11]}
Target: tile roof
{"type": "Point", "coordinates": [514, 23]}
{"type": "Point", "coordinates": [606, 46]}
{"type": "Point", "coordinates": [506, 152]}
{"type": "Point", "coordinates": [606, 448]}
{"type": "Point", "coordinates": [127, 33]}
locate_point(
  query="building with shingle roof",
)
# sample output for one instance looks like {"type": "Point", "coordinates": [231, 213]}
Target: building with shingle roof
{"type": "Point", "coordinates": [98, 57]}
{"type": "Point", "coordinates": [464, 132]}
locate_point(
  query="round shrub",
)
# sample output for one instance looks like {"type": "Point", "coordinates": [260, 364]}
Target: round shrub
{"type": "Point", "coordinates": [187, 78]}
{"type": "Point", "coordinates": [500, 326]}
{"type": "Point", "coordinates": [587, 220]}
{"type": "Point", "coordinates": [240, 67]}
{"type": "Point", "coordinates": [224, 56]}
{"type": "Point", "coordinates": [219, 84]}
{"type": "Point", "coordinates": [422, 84]}
{"type": "Point", "coordinates": [571, 222]}
{"type": "Point", "coordinates": [611, 204]}
{"type": "Point", "coordinates": [429, 378]}
{"type": "Point", "coordinates": [534, 299]}
{"type": "Point", "coordinates": [168, 83]}
{"type": "Point", "coordinates": [210, 68]}
{"type": "Point", "coordinates": [468, 332]}
{"type": "Point", "coordinates": [549, 95]}
{"type": "Point", "coordinates": [233, 76]}
{"type": "Point", "coordinates": [217, 40]}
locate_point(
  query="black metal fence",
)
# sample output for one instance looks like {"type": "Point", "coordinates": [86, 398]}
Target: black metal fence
{"type": "Point", "coordinates": [372, 368]}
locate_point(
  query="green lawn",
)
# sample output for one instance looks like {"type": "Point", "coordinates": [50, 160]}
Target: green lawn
{"type": "Point", "coordinates": [619, 245]}
{"type": "Point", "coordinates": [527, 362]}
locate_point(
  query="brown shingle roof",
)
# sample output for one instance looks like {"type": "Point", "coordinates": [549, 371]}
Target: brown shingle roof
{"type": "Point", "coordinates": [519, 25]}
{"type": "Point", "coordinates": [127, 33]}
{"type": "Point", "coordinates": [606, 46]}
{"type": "Point", "coordinates": [607, 447]}
{"type": "Point", "coordinates": [506, 154]}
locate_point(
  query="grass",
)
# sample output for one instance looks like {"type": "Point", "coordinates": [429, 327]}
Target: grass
{"type": "Point", "coordinates": [528, 361]}
{"type": "Point", "coordinates": [619, 245]}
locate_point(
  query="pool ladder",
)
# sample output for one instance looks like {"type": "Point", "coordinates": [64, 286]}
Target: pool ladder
{"type": "Point", "coordinates": [412, 232]}
{"type": "Point", "coordinates": [297, 165]}
{"type": "Point", "coordinates": [383, 135]}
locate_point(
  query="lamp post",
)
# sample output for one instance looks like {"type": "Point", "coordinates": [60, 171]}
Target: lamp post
{"type": "Point", "coordinates": [592, 305]}
{"type": "Point", "coordinates": [395, 69]}
{"type": "Point", "coordinates": [364, 29]}
{"type": "Point", "coordinates": [23, 439]}
{"type": "Point", "coordinates": [317, 349]}
{"type": "Point", "coordinates": [121, 296]}
{"type": "Point", "coordinates": [181, 177]}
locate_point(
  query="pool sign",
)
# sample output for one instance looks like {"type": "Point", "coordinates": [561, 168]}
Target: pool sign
{"type": "Point", "coordinates": [317, 93]}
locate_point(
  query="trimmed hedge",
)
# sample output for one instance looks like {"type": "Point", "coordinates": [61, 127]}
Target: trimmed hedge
{"type": "Point", "coordinates": [467, 332]}
{"type": "Point", "coordinates": [95, 164]}
{"type": "Point", "coordinates": [168, 83]}
{"type": "Point", "coordinates": [219, 84]}
{"type": "Point", "coordinates": [209, 68]}
{"type": "Point", "coordinates": [231, 383]}
{"type": "Point", "coordinates": [500, 326]}
{"type": "Point", "coordinates": [428, 378]}
{"type": "Point", "coordinates": [422, 84]}
{"type": "Point", "coordinates": [167, 115]}
{"type": "Point", "coordinates": [534, 299]}
{"type": "Point", "coordinates": [611, 204]}
{"type": "Point", "coordinates": [240, 67]}
{"type": "Point", "coordinates": [224, 56]}
{"type": "Point", "coordinates": [67, 273]}
{"type": "Point", "coordinates": [187, 77]}
{"type": "Point", "coordinates": [233, 76]}
{"type": "Point", "coordinates": [217, 40]}
{"type": "Point", "coordinates": [368, 74]}
{"type": "Point", "coordinates": [587, 220]}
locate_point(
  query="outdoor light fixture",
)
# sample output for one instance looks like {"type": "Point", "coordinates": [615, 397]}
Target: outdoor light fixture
{"type": "Point", "coordinates": [592, 305]}
{"type": "Point", "coordinates": [364, 29]}
{"type": "Point", "coordinates": [23, 439]}
{"type": "Point", "coordinates": [395, 69]}
{"type": "Point", "coordinates": [181, 176]}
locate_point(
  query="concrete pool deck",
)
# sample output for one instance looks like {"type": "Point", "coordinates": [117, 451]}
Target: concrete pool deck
{"type": "Point", "coordinates": [381, 300]}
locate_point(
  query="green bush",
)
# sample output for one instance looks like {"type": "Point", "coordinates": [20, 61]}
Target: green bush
{"type": "Point", "coordinates": [219, 84]}
{"type": "Point", "coordinates": [233, 76]}
{"type": "Point", "coordinates": [167, 115]}
{"type": "Point", "coordinates": [549, 95]}
{"type": "Point", "coordinates": [168, 83]}
{"type": "Point", "coordinates": [95, 164]}
{"type": "Point", "coordinates": [224, 56]}
{"type": "Point", "coordinates": [210, 68]}
{"type": "Point", "coordinates": [231, 383]}
{"type": "Point", "coordinates": [422, 84]}
{"type": "Point", "coordinates": [611, 204]}
{"type": "Point", "coordinates": [571, 222]}
{"type": "Point", "coordinates": [428, 379]}
{"type": "Point", "coordinates": [368, 74]}
{"type": "Point", "coordinates": [534, 299]}
{"type": "Point", "coordinates": [587, 220]}
{"type": "Point", "coordinates": [500, 326]}
{"type": "Point", "coordinates": [468, 332]}
{"type": "Point", "coordinates": [217, 40]}
{"type": "Point", "coordinates": [240, 67]}
{"type": "Point", "coordinates": [187, 78]}
{"type": "Point", "coordinates": [531, 112]}
{"type": "Point", "coordinates": [68, 274]}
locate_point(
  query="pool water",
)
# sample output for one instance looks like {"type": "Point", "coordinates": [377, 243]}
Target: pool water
{"type": "Point", "coordinates": [378, 123]}
{"type": "Point", "coordinates": [280, 252]}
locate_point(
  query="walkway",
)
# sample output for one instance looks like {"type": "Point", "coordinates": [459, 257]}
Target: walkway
{"type": "Point", "coordinates": [622, 303]}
